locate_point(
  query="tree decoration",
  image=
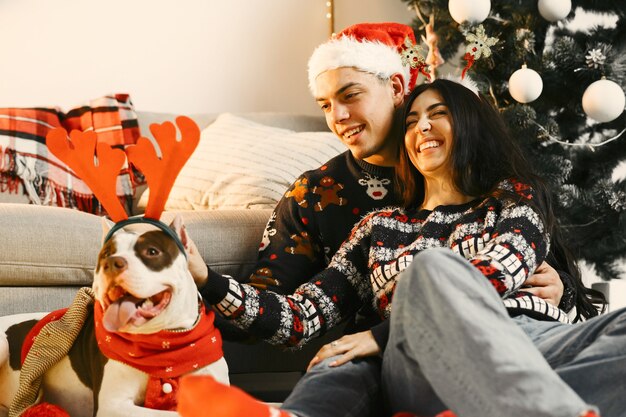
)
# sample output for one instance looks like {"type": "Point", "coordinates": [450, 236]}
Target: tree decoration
{"type": "Point", "coordinates": [411, 55]}
{"type": "Point", "coordinates": [525, 85]}
{"type": "Point", "coordinates": [603, 100]}
{"type": "Point", "coordinates": [595, 58]}
{"type": "Point", "coordinates": [431, 39]}
{"type": "Point", "coordinates": [473, 12]}
{"type": "Point", "coordinates": [478, 45]}
{"type": "Point", "coordinates": [433, 59]}
{"type": "Point", "coordinates": [575, 156]}
{"type": "Point", "coordinates": [554, 10]}
{"type": "Point", "coordinates": [524, 42]}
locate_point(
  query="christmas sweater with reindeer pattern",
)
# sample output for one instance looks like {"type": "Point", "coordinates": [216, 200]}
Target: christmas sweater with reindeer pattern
{"type": "Point", "coordinates": [504, 240]}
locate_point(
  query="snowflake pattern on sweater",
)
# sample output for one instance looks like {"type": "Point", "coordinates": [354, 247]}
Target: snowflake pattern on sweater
{"type": "Point", "coordinates": [504, 240]}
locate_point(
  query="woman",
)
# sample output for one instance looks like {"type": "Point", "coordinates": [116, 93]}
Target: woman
{"type": "Point", "coordinates": [468, 190]}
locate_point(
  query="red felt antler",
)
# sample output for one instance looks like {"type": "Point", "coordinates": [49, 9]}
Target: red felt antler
{"type": "Point", "coordinates": [161, 172]}
{"type": "Point", "coordinates": [101, 175]}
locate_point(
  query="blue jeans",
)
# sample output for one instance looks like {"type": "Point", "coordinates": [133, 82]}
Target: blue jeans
{"type": "Point", "coordinates": [452, 339]}
{"type": "Point", "coordinates": [453, 342]}
{"type": "Point", "coordinates": [349, 390]}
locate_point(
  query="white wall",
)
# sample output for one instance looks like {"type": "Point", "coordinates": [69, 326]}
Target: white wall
{"type": "Point", "coordinates": [186, 57]}
{"type": "Point", "coordinates": [349, 12]}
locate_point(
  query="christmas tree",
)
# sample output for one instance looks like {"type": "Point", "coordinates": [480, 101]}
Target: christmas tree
{"type": "Point", "coordinates": [575, 153]}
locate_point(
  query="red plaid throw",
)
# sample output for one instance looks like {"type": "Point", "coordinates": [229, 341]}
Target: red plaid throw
{"type": "Point", "coordinates": [24, 157]}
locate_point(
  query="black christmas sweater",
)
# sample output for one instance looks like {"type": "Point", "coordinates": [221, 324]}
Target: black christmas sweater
{"type": "Point", "coordinates": [503, 239]}
{"type": "Point", "coordinates": [315, 216]}
{"type": "Point", "coordinates": [312, 220]}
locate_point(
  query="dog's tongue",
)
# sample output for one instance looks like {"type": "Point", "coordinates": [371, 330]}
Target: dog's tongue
{"type": "Point", "coordinates": [120, 313]}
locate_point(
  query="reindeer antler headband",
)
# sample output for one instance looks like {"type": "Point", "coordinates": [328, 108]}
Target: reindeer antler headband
{"type": "Point", "coordinates": [98, 166]}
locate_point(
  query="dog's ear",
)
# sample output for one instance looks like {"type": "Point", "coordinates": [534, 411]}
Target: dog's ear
{"type": "Point", "coordinates": [179, 227]}
{"type": "Point", "coordinates": [106, 226]}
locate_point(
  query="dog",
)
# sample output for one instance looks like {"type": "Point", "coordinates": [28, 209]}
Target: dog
{"type": "Point", "coordinates": [142, 287]}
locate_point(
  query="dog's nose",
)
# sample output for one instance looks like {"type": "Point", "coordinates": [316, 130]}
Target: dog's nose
{"type": "Point", "coordinates": [115, 264]}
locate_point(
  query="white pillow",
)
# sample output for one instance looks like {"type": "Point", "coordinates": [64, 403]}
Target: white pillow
{"type": "Point", "coordinates": [243, 164]}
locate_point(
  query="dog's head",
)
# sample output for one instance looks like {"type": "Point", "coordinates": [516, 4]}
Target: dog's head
{"type": "Point", "coordinates": [142, 280]}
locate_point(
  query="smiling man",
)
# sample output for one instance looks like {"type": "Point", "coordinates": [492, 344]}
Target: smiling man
{"type": "Point", "coordinates": [359, 79]}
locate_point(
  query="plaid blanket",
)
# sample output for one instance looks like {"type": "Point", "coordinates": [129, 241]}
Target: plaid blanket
{"type": "Point", "coordinates": [24, 157]}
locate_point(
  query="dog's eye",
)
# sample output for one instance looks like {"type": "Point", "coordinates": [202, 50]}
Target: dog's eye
{"type": "Point", "coordinates": [152, 251]}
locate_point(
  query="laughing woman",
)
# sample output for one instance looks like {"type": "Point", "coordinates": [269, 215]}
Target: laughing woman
{"type": "Point", "coordinates": [447, 271]}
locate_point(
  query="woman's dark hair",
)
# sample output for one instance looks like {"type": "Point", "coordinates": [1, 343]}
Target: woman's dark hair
{"type": "Point", "coordinates": [483, 154]}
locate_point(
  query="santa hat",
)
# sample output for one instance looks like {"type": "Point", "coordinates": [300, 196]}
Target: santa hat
{"type": "Point", "coordinates": [382, 49]}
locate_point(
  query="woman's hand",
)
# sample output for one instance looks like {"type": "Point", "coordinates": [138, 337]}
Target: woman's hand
{"type": "Point", "coordinates": [350, 347]}
{"type": "Point", "coordinates": [545, 283]}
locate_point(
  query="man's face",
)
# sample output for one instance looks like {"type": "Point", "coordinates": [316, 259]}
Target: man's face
{"type": "Point", "coordinates": [359, 109]}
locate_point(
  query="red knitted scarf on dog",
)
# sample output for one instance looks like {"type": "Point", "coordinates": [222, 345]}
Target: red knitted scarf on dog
{"type": "Point", "coordinates": [164, 356]}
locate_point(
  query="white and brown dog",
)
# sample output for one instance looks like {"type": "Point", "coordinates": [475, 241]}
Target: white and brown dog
{"type": "Point", "coordinates": [148, 328]}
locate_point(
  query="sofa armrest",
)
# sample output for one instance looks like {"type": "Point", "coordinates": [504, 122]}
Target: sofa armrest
{"type": "Point", "coordinates": [47, 246]}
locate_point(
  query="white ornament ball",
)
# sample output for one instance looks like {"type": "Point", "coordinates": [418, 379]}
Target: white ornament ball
{"type": "Point", "coordinates": [604, 100]}
{"type": "Point", "coordinates": [525, 85]}
{"type": "Point", "coordinates": [474, 11]}
{"type": "Point", "coordinates": [553, 10]}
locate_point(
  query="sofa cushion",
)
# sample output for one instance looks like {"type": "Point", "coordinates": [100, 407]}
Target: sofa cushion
{"type": "Point", "coordinates": [240, 163]}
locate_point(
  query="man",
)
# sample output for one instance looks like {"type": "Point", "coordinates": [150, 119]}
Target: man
{"type": "Point", "coordinates": [359, 79]}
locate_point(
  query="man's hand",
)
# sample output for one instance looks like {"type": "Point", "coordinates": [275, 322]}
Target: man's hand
{"type": "Point", "coordinates": [545, 283]}
{"type": "Point", "coordinates": [197, 267]}
{"type": "Point", "coordinates": [350, 347]}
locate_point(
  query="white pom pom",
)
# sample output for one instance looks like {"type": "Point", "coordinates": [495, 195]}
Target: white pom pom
{"type": "Point", "coordinates": [604, 100]}
{"type": "Point", "coordinates": [553, 10]}
{"type": "Point", "coordinates": [525, 85]}
{"type": "Point", "coordinates": [474, 11]}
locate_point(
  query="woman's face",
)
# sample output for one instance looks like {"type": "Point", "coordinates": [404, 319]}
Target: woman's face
{"type": "Point", "coordinates": [429, 135]}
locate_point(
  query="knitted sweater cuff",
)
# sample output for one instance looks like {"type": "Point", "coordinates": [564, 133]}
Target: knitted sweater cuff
{"type": "Point", "coordinates": [381, 334]}
{"type": "Point", "coordinates": [215, 288]}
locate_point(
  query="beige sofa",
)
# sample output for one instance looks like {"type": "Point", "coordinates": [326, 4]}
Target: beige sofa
{"type": "Point", "coordinates": [47, 253]}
